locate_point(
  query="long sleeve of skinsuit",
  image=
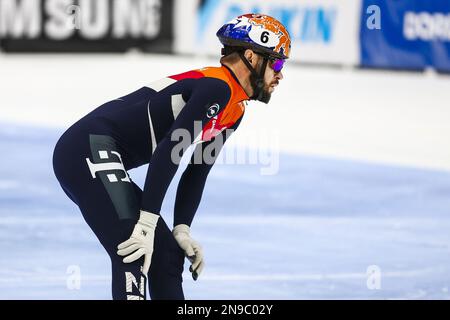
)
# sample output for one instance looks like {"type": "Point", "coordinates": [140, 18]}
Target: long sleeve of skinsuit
{"type": "Point", "coordinates": [192, 182]}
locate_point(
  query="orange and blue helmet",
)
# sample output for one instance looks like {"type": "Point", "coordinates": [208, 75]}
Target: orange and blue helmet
{"type": "Point", "coordinates": [258, 32]}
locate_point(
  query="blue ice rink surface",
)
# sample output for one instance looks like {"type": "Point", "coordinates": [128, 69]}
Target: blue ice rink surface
{"type": "Point", "coordinates": [311, 231]}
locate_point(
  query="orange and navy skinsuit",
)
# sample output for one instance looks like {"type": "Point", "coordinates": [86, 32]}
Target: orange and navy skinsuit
{"type": "Point", "coordinates": [92, 157]}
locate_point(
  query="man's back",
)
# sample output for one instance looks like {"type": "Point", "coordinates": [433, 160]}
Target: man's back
{"type": "Point", "coordinates": [140, 120]}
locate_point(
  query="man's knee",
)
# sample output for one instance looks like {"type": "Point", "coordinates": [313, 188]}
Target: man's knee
{"type": "Point", "coordinates": [128, 282]}
{"type": "Point", "coordinates": [168, 257]}
{"type": "Point", "coordinates": [165, 280]}
{"type": "Point", "coordinates": [166, 269]}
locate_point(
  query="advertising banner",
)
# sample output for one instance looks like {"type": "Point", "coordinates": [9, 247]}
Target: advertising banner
{"type": "Point", "coordinates": [322, 31]}
{"type": "Point", "coordinates": [86, 25]}
{"type": "Point", "coordinates": [412, 34]}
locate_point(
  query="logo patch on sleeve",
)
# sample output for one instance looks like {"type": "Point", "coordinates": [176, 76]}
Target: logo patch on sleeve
{"type": "Point", "coordinates": [213, 110]}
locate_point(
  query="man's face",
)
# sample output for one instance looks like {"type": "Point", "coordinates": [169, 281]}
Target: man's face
{"type": "Point", "coordinates": [271, 80]}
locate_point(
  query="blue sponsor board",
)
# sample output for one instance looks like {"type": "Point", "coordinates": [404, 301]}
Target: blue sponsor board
{"type": "Point", "coordinates": [306, 23]}
{"type": "Point", "coordinates": [411, 34]}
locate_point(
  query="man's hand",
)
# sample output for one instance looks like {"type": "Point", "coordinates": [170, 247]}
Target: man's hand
{"type": "Point", "coordinates": [191, 248]}
{"type": "Point", "coordinates": [141, 241]}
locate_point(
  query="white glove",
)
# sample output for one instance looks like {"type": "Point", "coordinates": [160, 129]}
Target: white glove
{"type": "Point", "coordinates": [141, 241]}
{"type": "Point", "coordinates": [191, 248]}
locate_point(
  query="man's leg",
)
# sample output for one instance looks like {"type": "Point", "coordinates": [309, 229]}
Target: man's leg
{"type": "Point", "coordinates": [90, 171]}
{"type": "Point", "coordinates": [110, 203]}
{"type": "Point", "coordinates": [166, 269]}
{"type": "Point", "coordinates": [128, 282]}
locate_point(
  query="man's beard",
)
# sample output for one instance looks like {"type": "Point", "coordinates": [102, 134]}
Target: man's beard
{"type": "Point", "coordinates": [263, 94]}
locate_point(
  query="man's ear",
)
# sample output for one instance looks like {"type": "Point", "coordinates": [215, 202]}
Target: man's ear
{"type": "Point", "coordinates": [251, 57]}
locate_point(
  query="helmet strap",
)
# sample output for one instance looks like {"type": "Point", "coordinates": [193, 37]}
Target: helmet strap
{"type": "Point", "coordinates": [256, 80]}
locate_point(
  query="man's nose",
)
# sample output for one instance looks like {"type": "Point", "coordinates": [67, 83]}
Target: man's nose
{"type": "Point", "coordinates": [279, 75]}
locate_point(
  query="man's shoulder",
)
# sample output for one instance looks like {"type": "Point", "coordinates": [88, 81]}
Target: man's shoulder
{"type": "Point", "coordinates": [204, 74]}
{"type": "Point", "coordinates": [209, 76]}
